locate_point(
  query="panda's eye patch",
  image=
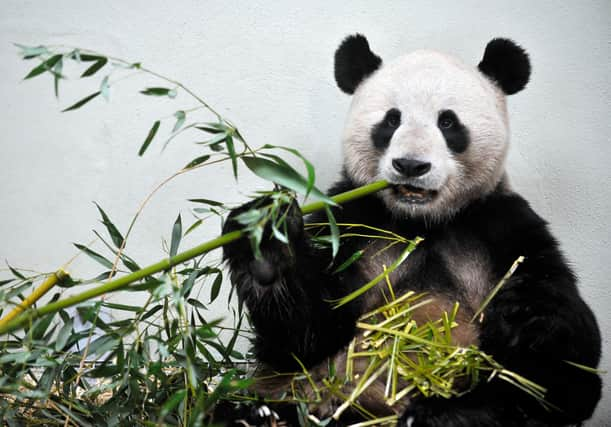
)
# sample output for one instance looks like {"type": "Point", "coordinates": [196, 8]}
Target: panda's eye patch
{"type": "Point", "coordinates": [454, 132]}
{"type": "Point", "coordinates": [384, 130]}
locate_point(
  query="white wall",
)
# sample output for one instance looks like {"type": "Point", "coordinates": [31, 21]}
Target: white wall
{"type": "Point", "coordinates": [268, 67]}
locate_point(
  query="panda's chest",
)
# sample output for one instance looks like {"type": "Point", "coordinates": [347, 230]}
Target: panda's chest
{"type": "Point", "coordinates": [453, 264]}
{"type": "Point", "coordinates": [468, 265]}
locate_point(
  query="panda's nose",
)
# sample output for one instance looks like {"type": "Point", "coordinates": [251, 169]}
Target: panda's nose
{"type": "Point", "coordinates": [410, 168]}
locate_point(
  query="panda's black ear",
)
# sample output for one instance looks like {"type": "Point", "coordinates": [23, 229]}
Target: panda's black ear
{"type": "Point", "coordinates": [507, 64]}
{"type": "Point", "coordinates": [353, 62]}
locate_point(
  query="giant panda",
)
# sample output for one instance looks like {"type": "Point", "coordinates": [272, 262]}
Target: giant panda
{"type": "Point", "coordinates": [437, 130]}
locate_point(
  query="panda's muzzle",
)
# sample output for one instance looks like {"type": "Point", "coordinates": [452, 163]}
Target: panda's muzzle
{"type": "Point", "coordinates": [412, 194]}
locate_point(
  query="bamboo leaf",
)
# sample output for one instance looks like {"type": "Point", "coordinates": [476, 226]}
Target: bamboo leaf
{"type": "Point", "coordinates": [197, 161]}
{"type": "Point", "coordinates": [196, 303]}
{"type": "Point", "coordinates": [251, 217]}
{"type": "Point", "coordinates": [97, 66]}
{"type": "Point", "coordinates": [122, 307]}
{"type": "Point", "coordinates": [129, 262]}
{"type": "Point", "coordinates": [309, 167]}
{"type": "Point", "coordinates": [85, 57]}
{"type": "Point", "coordinates": [41, 325]}
{"type": "Point", "coordinates": [57, 74]}
{"type": "Point", "coordinates": [213, 128]}
{"type": "Point", "coordinates": [284, 175]}
{"type": "Point", "coordinates": [172, 402]}
{"type": "Point", "coordinates": [207, 202]}
{"type": "Point", "coordinates": [181, 116]}
{"type": "Point", "coordinates": [5, 282]}
{"type": "Point", "coordinates": [149, 137]}
{"type": "Point", "coordinates": [215, 141]}
{"type": "Point", "coordinates": [216, 287]}
{"type": "Point", "coordinates": [334, 231]}
{"type": "Point", "coordinates": [157, 91]}
{"type": "Point", "coordinates": [232, 154]}
{"type": "Point", "coordinates": [279, 235]}
{"type": "Point", "coordinates": [234, 337]}
{"type": "Point", "coordinates": [94, 255]}
{"type": "Point", "coordinates": [64, 333]}
{"type": "Point", "coordinates": [176, 236]}
{"type": "Point", "coordinates": [105, 88]}
{"type": "Point", "coordinates": [16, 357]}
{"type": "Point", "coordinates": [103, 344]}
{"type": "Point", "coordinates": [15, 272]}
{"type": "Point", "coordinates": [151, 312]}
{"type": "Point", "coordinates": [194, 226]}
{"type": "Point", "coordinates": [45, 66]}
{"type": "Point", "coordinates": [187, 285]}
{"type": "Point", "coordinates": [115, 235]}
{"type": "Point", "coordinates": [353, 258]}
{"type": "Point", "coordinates": [82, 102]}
{"type": "Point", "coordinates": [30, 52]}
{"type": "Point", "coordinates": [217, 146]}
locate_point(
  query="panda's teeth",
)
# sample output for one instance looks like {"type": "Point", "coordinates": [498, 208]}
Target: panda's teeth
{"type": "Point", "coordinates": [412, 194]}
{"type": "Point", "coordinates": [409, 192]}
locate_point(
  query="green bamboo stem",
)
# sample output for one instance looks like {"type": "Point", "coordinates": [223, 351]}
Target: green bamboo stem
{"type": "Point", "coordinates": [122, 282]}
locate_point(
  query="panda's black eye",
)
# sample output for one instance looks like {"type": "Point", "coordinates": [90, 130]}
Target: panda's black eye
{"type": "Point", "coordinates": [393, 119]}
{"type": "Point", "coordinates": [445, 122]}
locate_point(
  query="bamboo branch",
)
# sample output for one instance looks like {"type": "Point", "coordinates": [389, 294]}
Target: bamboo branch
{"type": "Point", "coordinates": [20, 318]}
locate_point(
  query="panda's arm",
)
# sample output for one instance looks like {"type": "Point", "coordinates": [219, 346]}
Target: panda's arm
{"type": "Point", "coordinates": [538, 322]}
{"type": "Point", "coordinates": [535, 325]}
{"type": "Point", "coordinates": [287, 292]}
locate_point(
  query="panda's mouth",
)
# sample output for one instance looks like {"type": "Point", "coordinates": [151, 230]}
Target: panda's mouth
{"type": "Point", "coordinates": [411, 194]}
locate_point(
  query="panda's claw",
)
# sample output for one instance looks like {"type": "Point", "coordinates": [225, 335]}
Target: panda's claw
{"type": "Point", "coordinates": [265, 416]}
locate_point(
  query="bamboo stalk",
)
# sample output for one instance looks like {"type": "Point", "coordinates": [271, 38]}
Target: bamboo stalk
{"type": "Point", "coordinates": [49, 282]}
{"type": "Point", "coordinates": [20, 318]}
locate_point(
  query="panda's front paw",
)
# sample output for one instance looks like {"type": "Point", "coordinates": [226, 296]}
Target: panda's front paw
{"type": "Point", "coordinates": [276, 255]}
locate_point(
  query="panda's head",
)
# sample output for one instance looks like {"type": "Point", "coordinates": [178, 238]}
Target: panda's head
{"type": "Point", "coordinates": [433, 127]}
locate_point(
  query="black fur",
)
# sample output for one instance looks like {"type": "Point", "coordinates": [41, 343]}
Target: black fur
{"type": "Point", "coordinates": [507, 64]}
{"type": "Point", "coordinates": [383, 131]}
{"type": "Point", "coordinates": [535, 324]}
{"type": "Point", "coordinates": [454, 132]}
{"type": "Point", "coordinates": [353, 62]}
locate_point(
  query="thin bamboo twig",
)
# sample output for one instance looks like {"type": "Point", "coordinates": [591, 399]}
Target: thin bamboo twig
{"type": "Point", "coordinates": [22, 318]}
{"type": "Point", "coordinates": [497, 288]}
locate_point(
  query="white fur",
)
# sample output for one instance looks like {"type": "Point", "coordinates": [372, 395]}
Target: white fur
{"type": "Point", "coordinates": [420, 85]}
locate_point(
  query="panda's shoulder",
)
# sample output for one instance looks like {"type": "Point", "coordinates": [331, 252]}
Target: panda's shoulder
{"type": "Point", "coordinates": [509, 208]}
{"type": "Point", "coordinates": [508, 219]}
